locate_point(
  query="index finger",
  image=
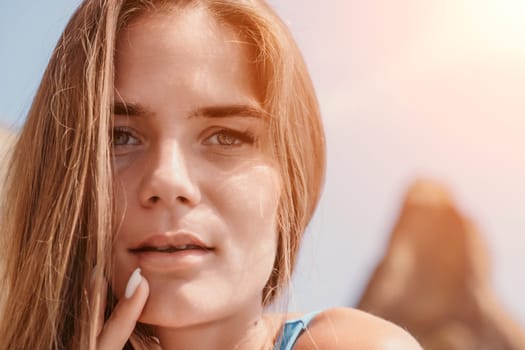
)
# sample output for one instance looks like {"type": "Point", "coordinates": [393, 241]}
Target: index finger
{"type": "Point", "coordinates": [121, 323]}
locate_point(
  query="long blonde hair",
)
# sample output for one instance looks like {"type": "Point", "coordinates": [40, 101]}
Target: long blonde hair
{"type": "Point", "coordinates": [56, 220]}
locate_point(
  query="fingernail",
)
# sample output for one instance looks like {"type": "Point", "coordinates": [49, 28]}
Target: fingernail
{"type": "Point", "coordinates": [133, 283]}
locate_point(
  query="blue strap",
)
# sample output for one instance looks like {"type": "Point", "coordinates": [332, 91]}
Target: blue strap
{"type": "Point", "coordinates": [292, 330]}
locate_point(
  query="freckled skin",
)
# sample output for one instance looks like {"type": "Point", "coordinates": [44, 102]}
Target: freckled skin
{"type": "Point", "coordinates": [226, 194]}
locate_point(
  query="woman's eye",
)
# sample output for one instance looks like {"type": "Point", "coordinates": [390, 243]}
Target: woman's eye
{"type": "Point", "coordinates": [230, 138]}
{"type": "Point", "coordinates": [224, 139]}
{"type": "Point", "coordinates": [123, 137]}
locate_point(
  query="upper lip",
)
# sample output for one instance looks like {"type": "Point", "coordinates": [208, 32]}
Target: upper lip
{"type": "Point", "coordinates": [170, 240]}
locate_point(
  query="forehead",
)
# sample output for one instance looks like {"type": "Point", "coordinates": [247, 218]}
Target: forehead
{"type": "Point", "coordinates": [179, 33]}
{"type": "Point", "coordinates": [189, 41]}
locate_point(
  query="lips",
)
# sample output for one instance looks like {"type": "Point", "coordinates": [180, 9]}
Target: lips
{"type": "Point", "coordinates": [178, 254]}
{"type": "Point", "coordinates": [167, 249]}
{"type": "Point", "coordinates": [170, 243]}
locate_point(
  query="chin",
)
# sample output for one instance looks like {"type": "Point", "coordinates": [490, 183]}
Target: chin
{"type": "Point", "coordinates": [176, 309]}
{"type": "Point", "coordinates": [184, 304]}
{"type": "Point", "coordinates": [187, 304]}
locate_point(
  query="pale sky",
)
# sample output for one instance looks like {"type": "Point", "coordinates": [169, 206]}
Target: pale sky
{"type": "Point", "coordinates": [408, 89]}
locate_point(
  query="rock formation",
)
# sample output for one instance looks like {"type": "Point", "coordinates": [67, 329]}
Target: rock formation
{"type": "Point", "coordinates": [434, 279]}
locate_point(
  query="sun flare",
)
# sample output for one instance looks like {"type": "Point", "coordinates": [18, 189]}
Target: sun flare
{"type": "Point", "coordinates": [488, 24]}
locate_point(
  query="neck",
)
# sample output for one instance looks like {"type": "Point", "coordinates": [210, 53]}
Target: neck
{"type": "Point", "coordinates": [237, 332]}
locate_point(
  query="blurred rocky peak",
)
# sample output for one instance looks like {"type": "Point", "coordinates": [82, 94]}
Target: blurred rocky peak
{"type": "Point", "coordinates": [434, 279]}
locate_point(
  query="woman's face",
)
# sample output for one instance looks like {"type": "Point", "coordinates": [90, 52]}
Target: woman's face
{"type": "Point", "coordinates": [196, 194]}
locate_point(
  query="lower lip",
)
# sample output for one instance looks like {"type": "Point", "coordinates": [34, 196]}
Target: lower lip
{"type": "Point", "coordinates": [166, 262]}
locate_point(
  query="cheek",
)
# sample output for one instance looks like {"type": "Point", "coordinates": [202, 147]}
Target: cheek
{"type": "Point", "coordinates": [247, 203]}
{"type": "Point", "coordinates": [251, 197]}
{"type": "Point", "coordinates": [250, 202]}
{"type": "Point", "coordinates": [124, 193]}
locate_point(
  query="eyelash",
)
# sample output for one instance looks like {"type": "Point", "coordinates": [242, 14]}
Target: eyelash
{"type": "Point", "coordinates": [239, 137]}
{"type": "Point", "coordinates": [124, 131]}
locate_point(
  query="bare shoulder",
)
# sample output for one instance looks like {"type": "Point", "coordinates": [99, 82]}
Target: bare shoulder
{"type": "Point", "coordinates": [346, 328]}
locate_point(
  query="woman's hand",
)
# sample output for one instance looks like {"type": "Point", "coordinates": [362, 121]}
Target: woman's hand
{"type": "Point", "coordinates": [117, 330]}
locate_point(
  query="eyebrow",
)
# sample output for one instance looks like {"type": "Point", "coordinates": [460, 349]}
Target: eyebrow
{"type": "Point", "coordinates": [129, 109]}
{"type": "Point", "coordinates": [218, 111]}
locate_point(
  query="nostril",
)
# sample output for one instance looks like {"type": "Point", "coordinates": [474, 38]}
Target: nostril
{"type": "Point", "coordinates": [182, 199]}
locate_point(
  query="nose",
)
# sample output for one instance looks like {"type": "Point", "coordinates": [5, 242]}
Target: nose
{"type": "Point", "coordinates": [168, 181]}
